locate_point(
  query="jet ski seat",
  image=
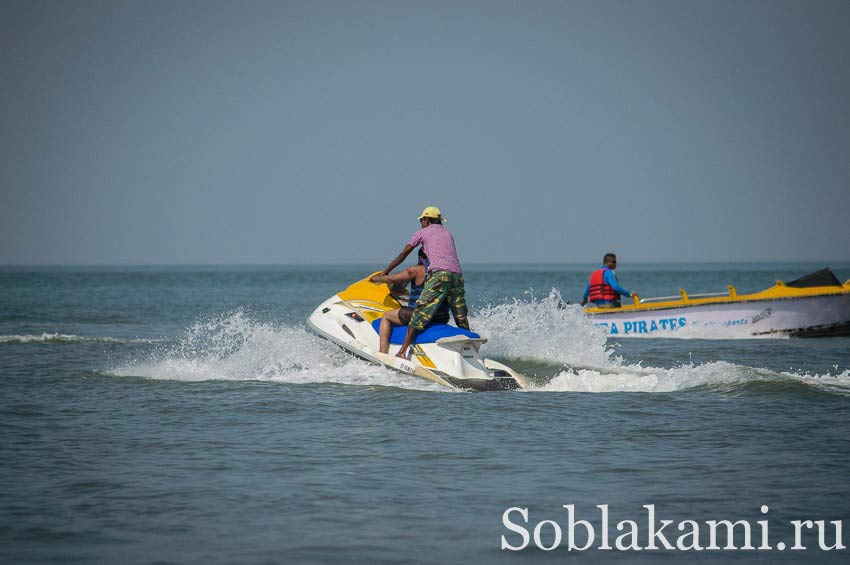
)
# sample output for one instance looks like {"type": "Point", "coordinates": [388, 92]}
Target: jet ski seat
{"type": "Point", "coordinates": [429, 335]}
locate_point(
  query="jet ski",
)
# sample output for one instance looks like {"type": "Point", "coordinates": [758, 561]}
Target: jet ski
{"type": "Point", "coordinates": [441, 353]}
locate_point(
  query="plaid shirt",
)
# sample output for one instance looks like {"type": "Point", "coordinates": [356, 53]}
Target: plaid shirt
{"type": "Point", "coordinates": [439, 246]}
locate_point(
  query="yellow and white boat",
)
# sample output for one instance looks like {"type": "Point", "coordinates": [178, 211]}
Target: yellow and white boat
{"type": "Point", "coordinates": [817, 304]}
{"type": "Point", "coordinates": [441, 353]}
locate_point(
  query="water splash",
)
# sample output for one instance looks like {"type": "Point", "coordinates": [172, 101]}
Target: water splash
{"type": "Point", "coordinates": [636, 379]}
{"type": "Point", "coordinates": [717, 374]}
{"type": "Point", "coordinates": [561, 338]}
{"type": "Point", "coordinates": [546, 328]}
{"type": "Point", "coordinates": [235, 347]}
{"type": "Point", "coordinates": [539, 333]}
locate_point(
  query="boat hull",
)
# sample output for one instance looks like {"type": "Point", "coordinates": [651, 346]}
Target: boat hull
{"type": "Point", "coordinates": [805, 316]}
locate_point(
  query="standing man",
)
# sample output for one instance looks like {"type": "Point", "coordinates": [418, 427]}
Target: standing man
{"type": "Point", "coordinates": [604, 289]}
{"type": "Point", "coordinates": [402, 316]}
{"type": "Point", "coordinates": [444, 281]}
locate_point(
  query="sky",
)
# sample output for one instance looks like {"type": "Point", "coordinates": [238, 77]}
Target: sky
{"type": "Point", "coordinates": [183, 132]}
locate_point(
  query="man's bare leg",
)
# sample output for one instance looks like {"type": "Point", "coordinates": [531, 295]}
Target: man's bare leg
{"type": "Point", "coordinates": [386, 329]}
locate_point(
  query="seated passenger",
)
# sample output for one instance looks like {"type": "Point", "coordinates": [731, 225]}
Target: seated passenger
{"type": "Point", "coordinates": [604, 289]}
{"type": "Point", "coordinates": [401, 316]}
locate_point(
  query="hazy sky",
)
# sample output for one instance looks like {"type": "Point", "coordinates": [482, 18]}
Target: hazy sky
{"type": "Point", "coordinates": [315, 132]}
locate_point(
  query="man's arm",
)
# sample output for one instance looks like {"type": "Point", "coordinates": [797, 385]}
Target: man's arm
{"type": "Point", "coordinates": [402, 277]}
{"type": "Point", "coordinates": [398, 260]}
{"type": "Point", "coordinates": [612, 281]}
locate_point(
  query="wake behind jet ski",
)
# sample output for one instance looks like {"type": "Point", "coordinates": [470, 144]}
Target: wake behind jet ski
{"type": "Point", "coordinates": [441, 353]}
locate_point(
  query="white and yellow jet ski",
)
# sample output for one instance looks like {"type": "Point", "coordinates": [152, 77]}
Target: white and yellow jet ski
{"type": "Point", "coordinates": [441, 353]}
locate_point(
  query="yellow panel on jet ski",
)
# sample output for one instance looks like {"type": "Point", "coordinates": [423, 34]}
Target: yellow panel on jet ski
{"type": "Point", "coordinates": [424, 359]}
{"type": "Point", "coordinates": [374, 298]}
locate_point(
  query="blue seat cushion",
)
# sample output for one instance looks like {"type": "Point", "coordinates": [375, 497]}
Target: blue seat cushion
{"type": "Point", "coordinates": [429, 335]}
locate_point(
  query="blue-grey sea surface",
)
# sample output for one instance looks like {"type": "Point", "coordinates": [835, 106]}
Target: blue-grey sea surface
{"type": "Point", "coordinates": [186, 415]}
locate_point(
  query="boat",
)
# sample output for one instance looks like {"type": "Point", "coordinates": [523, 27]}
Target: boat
{"type": "Point", "coordinates": [441, 353]}
{"type": "Point", "coordinates": [817, 304]}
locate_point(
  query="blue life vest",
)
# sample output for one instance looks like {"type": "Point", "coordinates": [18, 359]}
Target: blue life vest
{"type": "Point", "coordinates": [416, 291]}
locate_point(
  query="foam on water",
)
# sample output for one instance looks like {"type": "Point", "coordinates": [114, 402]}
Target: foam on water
{"type": "Point", "coordinates": [577, 356]}
{"type": "Point", "coordinates": [548, 330]}
{"type": "Point", "coordinates": [68, 338]}
{"type": "Point", "coordinates": [235, 347]}
{"type": "Point", "coordinates": [714, 374]}
{"type": "Point", "coordinates": [544, 328]}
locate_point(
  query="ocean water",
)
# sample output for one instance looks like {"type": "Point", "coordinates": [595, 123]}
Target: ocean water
{"type": "Point", "coordinates": [173, 415]}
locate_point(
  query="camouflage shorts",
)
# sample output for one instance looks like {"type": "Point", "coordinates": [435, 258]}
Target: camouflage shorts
{"type": "Point", "coordinates": [441, 287]}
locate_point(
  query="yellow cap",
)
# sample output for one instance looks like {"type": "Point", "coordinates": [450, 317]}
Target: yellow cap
{"type": "Point", "coordinates": [431, 212]}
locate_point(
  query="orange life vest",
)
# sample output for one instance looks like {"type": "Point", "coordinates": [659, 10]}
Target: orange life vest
{"type": "Point", "coordinates": [599, 289]}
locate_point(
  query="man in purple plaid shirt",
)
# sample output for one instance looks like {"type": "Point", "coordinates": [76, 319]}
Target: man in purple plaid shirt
{"type": "Point", "coordinates": [444, 280]}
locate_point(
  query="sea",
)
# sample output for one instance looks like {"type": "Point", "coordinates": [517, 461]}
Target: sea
{"type": "Point", "coordinates": [187, 415]}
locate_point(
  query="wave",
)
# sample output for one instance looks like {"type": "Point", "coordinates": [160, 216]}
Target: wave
{"type": "Point", "coordinates": [544, 329]}
{"type": "Point", "coordinates": [556, 346]}
{"type": "Point", "coordinates": [69, 338]}
{"type": "Point", "coordinates": [716, 375]}
{"type": "Point", "coordinates": [234, 347]}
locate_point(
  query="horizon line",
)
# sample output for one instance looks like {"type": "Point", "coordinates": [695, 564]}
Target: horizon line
{"type": "Point", "coordinates": [470, 263]}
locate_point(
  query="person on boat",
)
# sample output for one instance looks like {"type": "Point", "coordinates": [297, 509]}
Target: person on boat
{"type": "Point", "coordinates": [604, 289]}
{"type": "Point", "coordinates": [444, 281]}
{"type": "Point", "coordinates": [401, 316]}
